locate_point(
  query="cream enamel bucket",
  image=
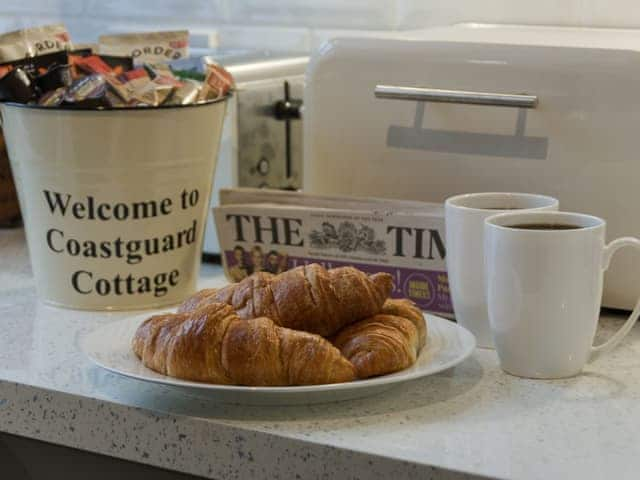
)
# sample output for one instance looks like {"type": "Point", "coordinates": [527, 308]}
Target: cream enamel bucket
{"type": "Point", "coordinates": [114, 202]}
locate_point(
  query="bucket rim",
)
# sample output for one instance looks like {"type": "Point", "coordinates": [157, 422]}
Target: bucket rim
{"type": "Point", "coordinates": [31, 106]}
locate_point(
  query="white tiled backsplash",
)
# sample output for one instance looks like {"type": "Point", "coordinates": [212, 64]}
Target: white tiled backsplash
{"type": "Point", "coordinates": [303, 24]}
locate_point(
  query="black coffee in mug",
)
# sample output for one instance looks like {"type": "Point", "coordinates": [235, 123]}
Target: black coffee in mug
{"type": "Point", "coordinates": [546, 226]}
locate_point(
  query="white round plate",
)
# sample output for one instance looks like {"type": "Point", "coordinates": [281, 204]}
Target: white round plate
{"type": "Point", "coordinates": [448, 344]}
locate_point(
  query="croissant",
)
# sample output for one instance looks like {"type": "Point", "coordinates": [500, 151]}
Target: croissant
{"type": "Point", "coordinates": [384, 343]}
{"type": "Point", "coordinates": [308, 298]}
{"type": "Point", "coordinates": [405, 308]}
{"type": "Point", "coordinates": [212, 344]}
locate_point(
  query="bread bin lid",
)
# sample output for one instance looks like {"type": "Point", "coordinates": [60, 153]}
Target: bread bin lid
{"type": "Point", "coordinates": [583, 108]}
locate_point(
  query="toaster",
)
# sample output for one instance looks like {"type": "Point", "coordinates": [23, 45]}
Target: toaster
{"type": "Point", "coordinates": [473, 108]}
{"type": "Point", "coordinates": [261, 144]}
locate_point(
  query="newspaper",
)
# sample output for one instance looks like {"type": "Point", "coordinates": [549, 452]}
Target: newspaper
{"type": "Point", "coordinates": [273, 230]}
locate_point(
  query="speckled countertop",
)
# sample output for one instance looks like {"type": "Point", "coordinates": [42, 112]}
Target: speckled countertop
{"type": "Point", "coordinates": [469, 420]}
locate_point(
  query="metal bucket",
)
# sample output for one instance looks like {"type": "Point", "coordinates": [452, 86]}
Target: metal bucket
{"type": "Point", "coordinates": [114, 202]}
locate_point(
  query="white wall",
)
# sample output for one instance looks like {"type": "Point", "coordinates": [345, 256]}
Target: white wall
{"type": "Point", "coordinates": [302, 24]}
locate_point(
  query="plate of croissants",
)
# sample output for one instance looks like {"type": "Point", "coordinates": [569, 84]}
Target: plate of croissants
{"type": "Point", "coordinates": [307, 335]}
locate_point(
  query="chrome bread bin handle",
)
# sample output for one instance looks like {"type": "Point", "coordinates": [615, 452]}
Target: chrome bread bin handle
{"type": "Point", "coordinates": [455, 96]}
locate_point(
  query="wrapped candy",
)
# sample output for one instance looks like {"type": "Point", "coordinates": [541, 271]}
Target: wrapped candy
{"type": "Point", "coordinates": [87, 92]}
{"type": "Point", "coordinates": [131, 70]}
{"type": "Point", "coordinates": [217, 83]}
{"type": "Point", "coordinates": [54, 78]}
{"type": "Point", "coordinates": [147, 46]}
{"type": "Point", "coordinates": [17, 86]}
{"type": "Point", "coordinates": [186, 93]}
{"type": "Point", "coordinates": [54, 98]}
{"type": "Point", "coordinates": [31, 42]}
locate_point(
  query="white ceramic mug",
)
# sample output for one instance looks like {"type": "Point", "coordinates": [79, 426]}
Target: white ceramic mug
{"type": "Point", "coordinates": [544, 290]}
{"type": "Point", "coordinates": [464, 224]}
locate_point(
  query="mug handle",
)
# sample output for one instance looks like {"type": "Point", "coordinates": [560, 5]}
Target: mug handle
{"type": "Point", "coordinates": [609, 250]}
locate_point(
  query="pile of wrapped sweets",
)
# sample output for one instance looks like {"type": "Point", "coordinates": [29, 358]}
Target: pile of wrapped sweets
{"type": "Point", "coordinates": [40, 66]}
